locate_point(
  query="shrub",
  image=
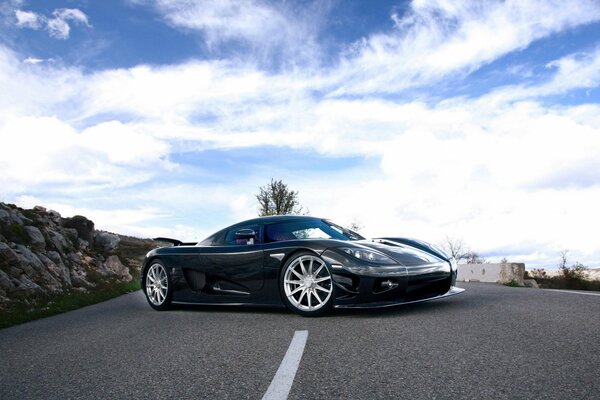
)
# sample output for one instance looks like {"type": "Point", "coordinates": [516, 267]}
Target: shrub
{"type": "Point", "coordinates": [15, 233]}
{"type": "Point", "coordinates": [538, 273]}
{"type": "Point", "coordinates": [577, 271]}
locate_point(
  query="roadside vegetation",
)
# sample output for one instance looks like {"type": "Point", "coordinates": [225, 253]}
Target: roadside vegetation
{"type": "Point", "coordinates": [574, 277]}
{"type": "Point", "coordinates": [570, 277]}
{"type": "Point", "coordinates": [43, 306]}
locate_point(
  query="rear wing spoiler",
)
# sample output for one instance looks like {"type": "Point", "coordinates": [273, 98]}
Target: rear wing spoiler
{"type": "Point", "coordinates": [174, 242]}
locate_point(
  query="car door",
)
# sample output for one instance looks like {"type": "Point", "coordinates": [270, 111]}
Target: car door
{"type": "Point", "coordinates": [234, 264]}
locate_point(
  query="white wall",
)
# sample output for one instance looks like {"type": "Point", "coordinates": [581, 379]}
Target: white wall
{"type": "Point", "coordinates": [494, 273]}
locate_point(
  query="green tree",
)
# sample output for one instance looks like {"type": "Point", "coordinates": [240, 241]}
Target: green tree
{"type": "Point", "coordinates": [276, 198]}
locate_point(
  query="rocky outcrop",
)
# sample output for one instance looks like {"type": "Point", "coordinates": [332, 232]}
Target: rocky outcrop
{"type": "Point", "coordinates": [43, 255]}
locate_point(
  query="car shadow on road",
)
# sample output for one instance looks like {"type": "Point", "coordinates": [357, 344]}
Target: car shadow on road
{"type": "Point", "coordinates": [239, 309]}
{"type": "Point", "coordinates": [388, 312]}
{"type": "Point", "coordinates": [398, 310]}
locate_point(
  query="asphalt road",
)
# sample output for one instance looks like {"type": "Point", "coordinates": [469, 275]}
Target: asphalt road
{"type": "Point", "coordinates": [491, 342]}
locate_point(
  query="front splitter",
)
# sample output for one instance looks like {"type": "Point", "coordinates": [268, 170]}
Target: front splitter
{"type": "Point", "coordinates": [453, 291]}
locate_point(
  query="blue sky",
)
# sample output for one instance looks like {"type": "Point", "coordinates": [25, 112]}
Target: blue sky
{"type": "Point", "coordinates": [472, 120]}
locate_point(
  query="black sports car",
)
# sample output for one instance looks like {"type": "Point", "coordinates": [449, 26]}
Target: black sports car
{"type": "Point", "coordinates": [307, 264]}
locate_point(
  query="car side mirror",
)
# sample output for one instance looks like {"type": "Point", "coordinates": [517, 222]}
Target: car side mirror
{"type": "Point", "coordinates": [245, 234]}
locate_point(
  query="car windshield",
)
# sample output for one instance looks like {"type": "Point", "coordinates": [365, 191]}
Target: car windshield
{"type": "Point", "coordinates": [308, 229]}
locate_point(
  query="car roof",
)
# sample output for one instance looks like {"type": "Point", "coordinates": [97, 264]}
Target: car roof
{"type": "Point", "coordinates": [275, 219]}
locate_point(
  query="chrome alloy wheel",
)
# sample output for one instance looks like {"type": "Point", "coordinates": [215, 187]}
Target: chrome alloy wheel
{"type": "Point", "coordinates": [307, 283]}
{"type": "Point", "coordinates": [157, 284]}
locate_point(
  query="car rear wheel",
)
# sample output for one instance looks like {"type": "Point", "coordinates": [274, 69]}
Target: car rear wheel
{"type": "Point", "coordinates": [307, 287]}
{"type": "Point", "coordinates": [157, 286]}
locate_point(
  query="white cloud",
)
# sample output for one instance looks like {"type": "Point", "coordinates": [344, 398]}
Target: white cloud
{"type": "Point", "coordinates": [37, 89]}
{"type": "Point", "coordinates": [581, 70]}
{"type": "Point", "coordinates": [271, 29]}
{"type": "Point", "coordinates": [437, 38]}
{"type": "Point", "coordinates": [39, 151]}
{"type": "Point", "coordinates": [32, 60]}
{"type": "Point", "coordinates": [575, 71]}
{"type": "Point", "coordinates": [29, 19]}
{"type": "Point", "coordinates": [123, 144]}
{"type": "Point", "coordinates": [58, 26]}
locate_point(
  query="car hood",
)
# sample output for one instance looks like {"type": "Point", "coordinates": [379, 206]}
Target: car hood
{"type": "Point", "coordinates": [404, 253]}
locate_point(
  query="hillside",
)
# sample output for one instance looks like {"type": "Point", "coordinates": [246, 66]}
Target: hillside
{"type": "Point", "coordinates": [45, 258]}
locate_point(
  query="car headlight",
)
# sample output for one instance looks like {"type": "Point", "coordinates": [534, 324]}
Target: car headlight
{"type": "Point", "coordinates": [368, 255]}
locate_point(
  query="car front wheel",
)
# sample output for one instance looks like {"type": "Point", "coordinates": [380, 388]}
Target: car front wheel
{"type": "Point", "coordinates": [307, 287]}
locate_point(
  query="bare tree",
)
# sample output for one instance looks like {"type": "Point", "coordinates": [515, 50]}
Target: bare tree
{"type": "Point", "coordinates": [563, 259]}
{"type": "Point", "coordinates": [355, 226]}
{"type": "Point", "coordinates": [455, 248]}
{"type": "Point", "coordinates": [473, 258]}
{"type": "Point", "coordinates": [576, 271]}
{"type": "Point", "coordinates": [460, 251]}
{"type": "Point", "coordinates": [276, 198]}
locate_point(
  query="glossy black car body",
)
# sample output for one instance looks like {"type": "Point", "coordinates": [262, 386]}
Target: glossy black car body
{"type": "Point", "coordinates": [244, 265]}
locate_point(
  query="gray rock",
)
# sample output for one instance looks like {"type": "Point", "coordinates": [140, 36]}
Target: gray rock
{"type": "Point", "coordinates": [74, 258]}
{"type": "Point", "coordinates": [8, 257]}
{"type": "Point", "coordinates": [27, 287]}
{"type": "Point", "coordinates": [54, 214]}
{"type": "Point", "coordinates": [71, 232]}
{"type": "Point", "coordinates": [83, 244]}
{"type": "Point", "coordinates": [54, 256]}
{"type": "Point", "coordinates": [78, 278]}
{"type": "Point", "coordinates": [531, 283]}
{"type": "Point", "coordinates": [36, 270]}
{"type": "Point", "coordinates": [43, 220]}
{"type": "Point", "coordinates": [114, 265]}
{"type": "Point", "coordinates": [107, 241]}
{"type": "Point", "coordinates": [15, 217]}
{"type": "Point", "coordinates": [59, 242]}
{"type": "Point", "coordinates": [4, 215]}
{"type": "Point", "coordinates": [29, 258]}
{"type": "Point", "coordinates": [4, 302]}
{"type": "Point", "coordinates": [58, 270]}
{"type": "Point", "coordinates": [83, 226]}
{"type": "Point", "coordinates": [6, 284]}
{"type": "Point", "coordinates": [40, 209]}
{"type": "Point", "coordinates": [37, 239]}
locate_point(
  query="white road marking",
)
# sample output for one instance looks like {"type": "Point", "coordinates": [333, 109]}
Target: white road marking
{"type": "Point", "coordinates": [284, 378]}
{"type": "Point", "coordinates": [573, 292]}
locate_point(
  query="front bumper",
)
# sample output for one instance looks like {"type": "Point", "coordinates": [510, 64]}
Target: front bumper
{"type": "Point", "coordinates": [363, 285]}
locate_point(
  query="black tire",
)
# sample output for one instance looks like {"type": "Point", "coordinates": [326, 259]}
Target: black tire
{"type": "Point", "coordinates": [306, 285]}
{"type": "Point", "coordinates": [155, 277]}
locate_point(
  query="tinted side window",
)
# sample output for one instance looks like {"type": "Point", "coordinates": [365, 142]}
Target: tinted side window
{"type": "Point", "coordinates": [218, 239]}
{"type": "Point", "coordinates": [230, 239]}
{"type": "Point", "coordinates": [312, 229]}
